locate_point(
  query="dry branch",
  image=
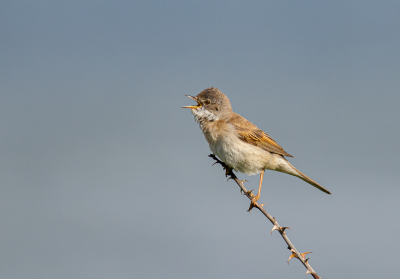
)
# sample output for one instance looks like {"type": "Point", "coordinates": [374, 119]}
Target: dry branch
{"type": "Point", "coordinates": [281, 230]}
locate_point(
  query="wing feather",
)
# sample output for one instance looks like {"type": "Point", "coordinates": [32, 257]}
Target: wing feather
{"type": "Point", "coordinates": [249, 133]}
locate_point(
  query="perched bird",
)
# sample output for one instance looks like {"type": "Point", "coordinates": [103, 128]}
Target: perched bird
{"type": "Point", "coordinates": [238, 142]}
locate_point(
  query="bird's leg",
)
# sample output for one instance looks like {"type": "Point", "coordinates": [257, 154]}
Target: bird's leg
{"type": "Point", "coordinates": [256, 198]}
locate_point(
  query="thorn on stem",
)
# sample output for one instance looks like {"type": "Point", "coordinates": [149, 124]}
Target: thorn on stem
{"type": "Point", "coordinates": [242, 181]}
{"type": "Point", "coordinates": [275, 227]}
{"type": "Point", "coordinates": [280, 229]}
{"type": "Point", "coordinates": [293, 255]}
{"type": "Point", "coordinates": [304, 254]}
{"type": "Point", "coordinates": [250, 193]}
{"type": "Point", "coordinates": [250, 207]}
{"type": "Point", "coordinates": [284, 228]}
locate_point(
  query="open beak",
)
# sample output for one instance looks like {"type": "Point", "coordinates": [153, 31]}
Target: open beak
{"type": "Point", "coordinates": [193, 107]}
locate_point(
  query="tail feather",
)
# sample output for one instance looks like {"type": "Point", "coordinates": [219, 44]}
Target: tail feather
{"type": "Point", "coordinates": [304, 177]}
{"type": "Point", "coordinates": [312, 182]}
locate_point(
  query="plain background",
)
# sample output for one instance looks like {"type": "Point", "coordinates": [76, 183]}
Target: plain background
{"type": "Point", "coordinates": [104, 175]}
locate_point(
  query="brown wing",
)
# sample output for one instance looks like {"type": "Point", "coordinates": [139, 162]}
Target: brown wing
{"type": "Point", "coordinates": [248, 132]}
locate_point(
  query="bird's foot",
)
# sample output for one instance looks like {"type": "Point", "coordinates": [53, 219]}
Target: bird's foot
{"type": "Point", "coordinates": [217, 161]}
{"type": "Point", "coordinates": [228, 170]}
{"type": "Point", "coordinates": [254, 199]}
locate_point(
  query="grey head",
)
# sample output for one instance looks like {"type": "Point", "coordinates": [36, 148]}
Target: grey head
{"type": "Point", "coordinates": [212, 105]}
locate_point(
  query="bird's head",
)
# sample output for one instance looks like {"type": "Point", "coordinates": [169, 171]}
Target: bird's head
{"type": "Point", "coordinates": [212, 105]}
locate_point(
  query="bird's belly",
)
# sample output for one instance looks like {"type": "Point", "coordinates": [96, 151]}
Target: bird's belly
{"type": "Point", "coordinates": [240, 155]}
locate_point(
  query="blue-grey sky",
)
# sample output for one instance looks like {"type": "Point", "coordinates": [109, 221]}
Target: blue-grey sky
{"type": "Point", "coordinates": [102, 174]}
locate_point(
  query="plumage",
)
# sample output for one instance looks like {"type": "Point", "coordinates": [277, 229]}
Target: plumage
{"type": "Point", "coordinates": [249, 133]}
{"type": "Point", "coordinates": [240, 144]}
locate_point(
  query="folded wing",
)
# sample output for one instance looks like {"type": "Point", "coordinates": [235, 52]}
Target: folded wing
{"type": "Point", "coordinates": [249, 133]}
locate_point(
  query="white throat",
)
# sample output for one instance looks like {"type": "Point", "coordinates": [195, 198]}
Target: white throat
{"type": "Point", "coordinates": [201, 114]}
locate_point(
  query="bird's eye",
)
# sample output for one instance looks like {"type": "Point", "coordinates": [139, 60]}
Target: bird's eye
{"type": "Point", "coordinates": [207, 102]}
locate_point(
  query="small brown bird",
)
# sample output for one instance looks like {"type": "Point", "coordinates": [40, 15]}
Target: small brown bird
{"type": "Point", "coordinates": [238, 142]}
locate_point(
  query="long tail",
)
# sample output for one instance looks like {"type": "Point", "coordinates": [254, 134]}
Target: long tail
{"type": "Point", "coordinates": [299, 174]}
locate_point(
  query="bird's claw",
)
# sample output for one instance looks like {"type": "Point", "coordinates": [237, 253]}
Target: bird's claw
{"type": "Point", "coordinates": [251, 206]}
{"type": "Point", "coordinates": [254, 199]}
{"type": "Point", "coordinates": [255, 204]}
{"type": "Point", "coordinates": [217, 161]}
{"type": "Point", "coordinates": [228, 171]}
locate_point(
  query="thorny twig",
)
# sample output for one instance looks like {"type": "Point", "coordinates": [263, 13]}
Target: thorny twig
{"type": "Point", "coordinates": [281, 230]}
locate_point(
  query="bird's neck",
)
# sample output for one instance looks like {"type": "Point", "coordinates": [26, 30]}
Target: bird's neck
{"type": "Point", "coordinates": [202, 115]}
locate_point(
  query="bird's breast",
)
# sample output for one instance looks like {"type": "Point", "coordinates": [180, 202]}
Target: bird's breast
{"type": "Point", "coordinates": [241, 156]}
{"type": "Point", "coordinates": [213, 130]}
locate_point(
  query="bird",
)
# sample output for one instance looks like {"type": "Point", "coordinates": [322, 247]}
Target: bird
{"type": "Point", "coordinates": [240, 144]}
